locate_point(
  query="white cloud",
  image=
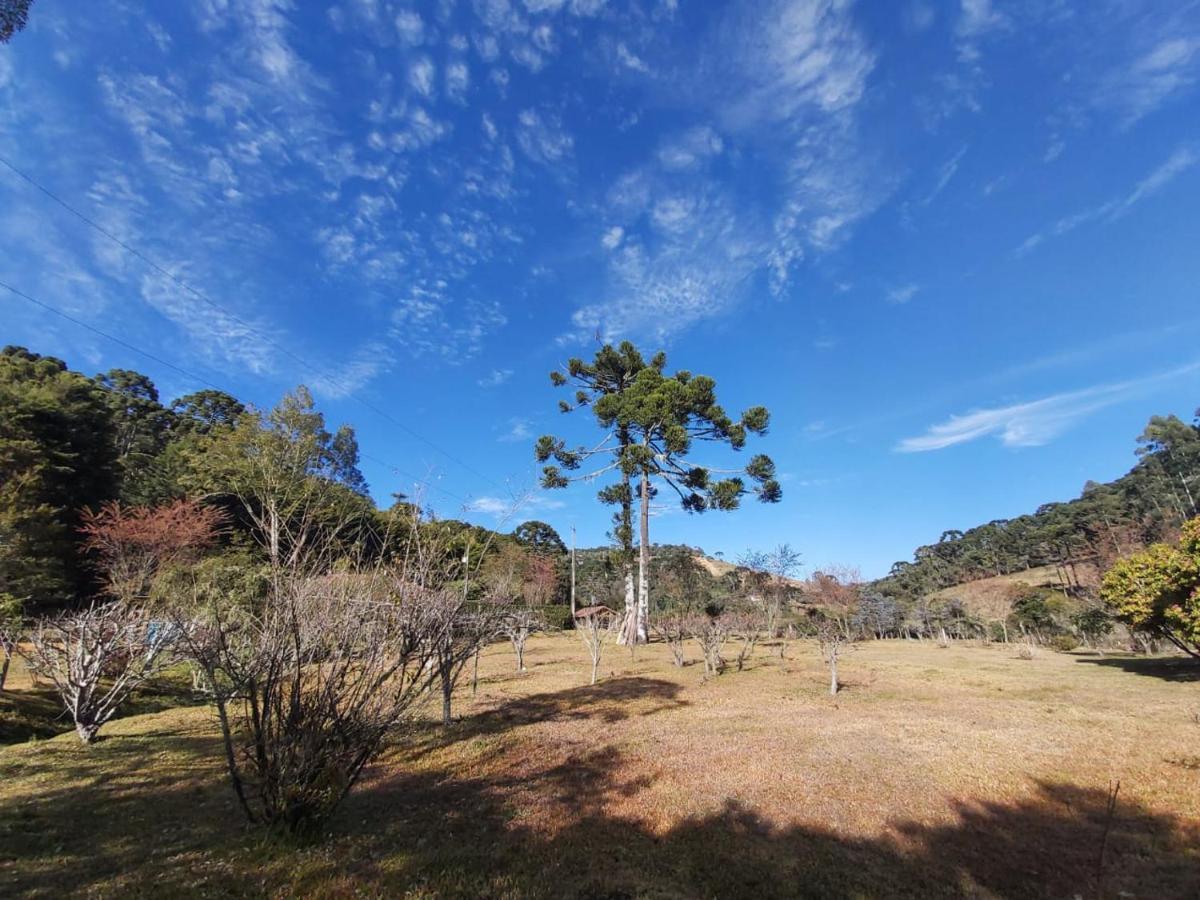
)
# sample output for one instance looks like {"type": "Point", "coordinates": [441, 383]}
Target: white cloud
{"type": "Point", "coordinates": [1037, 422]}
{"type": "Point", "coordinates": [612, 237]}
{"type": "Point", "coordinates": [1179, 162]}
{"type": "Point", "coordinates": [421, 75]}
{"type": "Point", "coordinates": [1168, 68]}
{"type": "Point", "coordinates": [976, 19]}
{"type": "Point", "coordinates": [410, 27]}
{"type": "Point", "coordinates": [945, 175]}
{"type": "Point", "coordinates": [458, 79]}
{"type": "Point", "coordinates": [518, 431]}
{"type": "Point", "coordinates": [506, 507]}
{"type": "Point", "coordinates": [542, 137]}
{"type": "Point", "coordinates": [631, 60]}
{"type": "Point", "coordinates": [902, 294]}
{"type": "Point", "coordinates": [495, 378]}
{"type": "Point", "coordinates": [690, 149]}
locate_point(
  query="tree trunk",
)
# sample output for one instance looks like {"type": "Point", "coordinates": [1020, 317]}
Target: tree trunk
{"type": "Point", "coordinates": [643, 600]}
{"type": "Point", "coordinates": [4, 665]}
{"type": "Point", "coordinates": [833, 678]}
{"type": "Point", "coordinates": [447, 690]}
{"type": "Point", "coordinates": [572, 573]}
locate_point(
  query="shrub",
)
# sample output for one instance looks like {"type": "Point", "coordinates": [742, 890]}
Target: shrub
{"type": "Point", "coordinates": [1064, 643]}
{"type": "Point", "coordinates": [557, 615]}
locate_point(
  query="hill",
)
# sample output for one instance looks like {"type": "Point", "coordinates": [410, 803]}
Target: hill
{"type": "Point", "coordinates": [990, 598]}
{"type": "Point", "coordinates": [1080, 537]}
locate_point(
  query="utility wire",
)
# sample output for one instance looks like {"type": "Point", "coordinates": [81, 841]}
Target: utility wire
{"type": "Point", "coordinates": [192, 375]}
{"type": "Point", "coordinates": [313, 369]}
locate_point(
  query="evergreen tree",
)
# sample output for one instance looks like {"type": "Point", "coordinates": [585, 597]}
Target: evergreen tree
{"type": "Point", "coordinates": [609, 374]}
{"type": "Point", "coordinates": [650, 422]}
{"type": "Point", "coordinates": [57, 456]}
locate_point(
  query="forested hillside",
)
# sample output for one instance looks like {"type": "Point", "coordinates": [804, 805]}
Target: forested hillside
{"type": "Point", "coordinates": [1106, 521]}
{"type": "Point", "coordinates": [71, 442]}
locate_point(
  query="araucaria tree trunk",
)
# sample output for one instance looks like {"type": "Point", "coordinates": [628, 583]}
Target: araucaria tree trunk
{"type": "Point", "coordinates": [641, 623]}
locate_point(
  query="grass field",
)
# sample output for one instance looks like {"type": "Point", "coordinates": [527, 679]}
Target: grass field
{"type": "Point", "coordinates": [936, 772]}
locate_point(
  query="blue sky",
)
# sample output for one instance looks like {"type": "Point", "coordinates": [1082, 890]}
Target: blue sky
{"type": "Point", "coordinates": [952, 246]}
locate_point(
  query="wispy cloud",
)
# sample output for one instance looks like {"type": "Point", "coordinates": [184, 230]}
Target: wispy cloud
{"type": "Point", "coordinates": [495, 378]}
{"type": "Point", "coordinates": [1036, 422]}
{"type": "Point", "coordinates": [1176, 164]}
{"type": "Point", "coordinates": [902, 294]}
{"type": "Point", "coordinates": [784, 85]}
{"type": "Point", "coordinates": [507, 507]}
{"type": "Point", "coordinates": [518, 430]}
{"type": "Point", "coordinates": [1163, 71]}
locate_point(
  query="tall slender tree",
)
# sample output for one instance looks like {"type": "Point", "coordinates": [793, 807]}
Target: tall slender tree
{"type": "Point", "coordinates": [651, 422]}
{"type": "Point", "coordinates": [610, 374]}
{"type": "Point", "coordinates": [666, 416]}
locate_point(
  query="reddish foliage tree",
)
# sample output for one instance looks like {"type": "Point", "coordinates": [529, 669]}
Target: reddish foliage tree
{"type": "Point", "coordinates": [133, 544]}
{"type": "Point", "coordinates": [541, 580]}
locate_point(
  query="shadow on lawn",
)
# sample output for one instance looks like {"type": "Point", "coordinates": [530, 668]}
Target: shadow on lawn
{"type": "Point", "coordinates": [535, 822]}
{"type": "Point", "coordinates": [1179, 668]}
{"type": "Point", "coordinates": [610, 701]}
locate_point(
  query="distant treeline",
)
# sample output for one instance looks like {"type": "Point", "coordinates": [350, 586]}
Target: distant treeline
{"type": "Point", "coordinates": [1105, 522]}
{"type": "Point", "coordinates": [70, 442]}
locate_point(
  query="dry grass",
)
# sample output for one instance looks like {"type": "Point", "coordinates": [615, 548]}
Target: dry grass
{"type": "Point", "coordinates": [955, 772]}
{"type": "Point", "coordinates": [988, 598]}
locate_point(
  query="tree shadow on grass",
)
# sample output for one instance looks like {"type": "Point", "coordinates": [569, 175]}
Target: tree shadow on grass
{"type": "Point", "coordinates": [610, 701]}
{"type": "Point", "coordinates": [466, 837]}
{"type": "Point", "coordinates": [1179, 668]}
{"type": "Point", "coordinates": [151, 813]}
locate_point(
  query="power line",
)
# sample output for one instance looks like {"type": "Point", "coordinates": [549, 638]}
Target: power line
{"type": "Point", "coordinates": [316, 370]}
{"type": "Point", "coordinates": [192, 375]}
{"type": "Point", "coordinates": [105, 334]}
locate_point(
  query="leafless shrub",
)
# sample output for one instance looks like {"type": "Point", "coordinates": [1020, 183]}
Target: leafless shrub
{"type": "Point", "coordinates": [518, 624]}
{"type": "Point", "coordinates": [596, 625]}
{"type": "Point", "coordinates": [307, 688]}
{"type": "Point", "coordinates": [673, 629]}
{"type": "Point", "coordinates": [746, 625]}
{"type": "Point", "coordinates": [310, 678]}
{"type": "Point", "coordinates": [96, 657]}
{"type": "Point", "coordinates": [711, 632]}
{"type": "Point", "coordinates": [1026, 650]}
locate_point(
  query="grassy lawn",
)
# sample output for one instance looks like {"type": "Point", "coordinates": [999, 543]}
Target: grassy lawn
{"type": "Point", "coordinates": [937, 772]}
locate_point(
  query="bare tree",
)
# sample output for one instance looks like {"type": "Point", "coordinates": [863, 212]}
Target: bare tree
{"type": "Point", "coordinates": [836, 591]}
{"type": "Point", "coordinates": [674, 629]}
{"type": "Point", "coordinates": [595, 625]}
{"type": "Point", "coordinates": [711, 632]}
{"type": "Point", "coordinates": [770, 581]}
{"type": "Point", "coordinates": [747, 626]}
{"type": "Point", "coordinates": [10, 629]}
{"type": "Point", "coordinates": [96, 657]}
{"type": "Point", "coordinates": [518, 624]}
{"type": "Point", "coordinates": [463, 631]}
{"type": "Point", "coordinates": [833, 640]}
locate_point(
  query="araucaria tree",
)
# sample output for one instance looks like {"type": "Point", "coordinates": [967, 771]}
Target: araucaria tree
{"type": "Point", "coordinates": [652, 425]}
{"type": "Point", "coordinates": [610, 374]}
